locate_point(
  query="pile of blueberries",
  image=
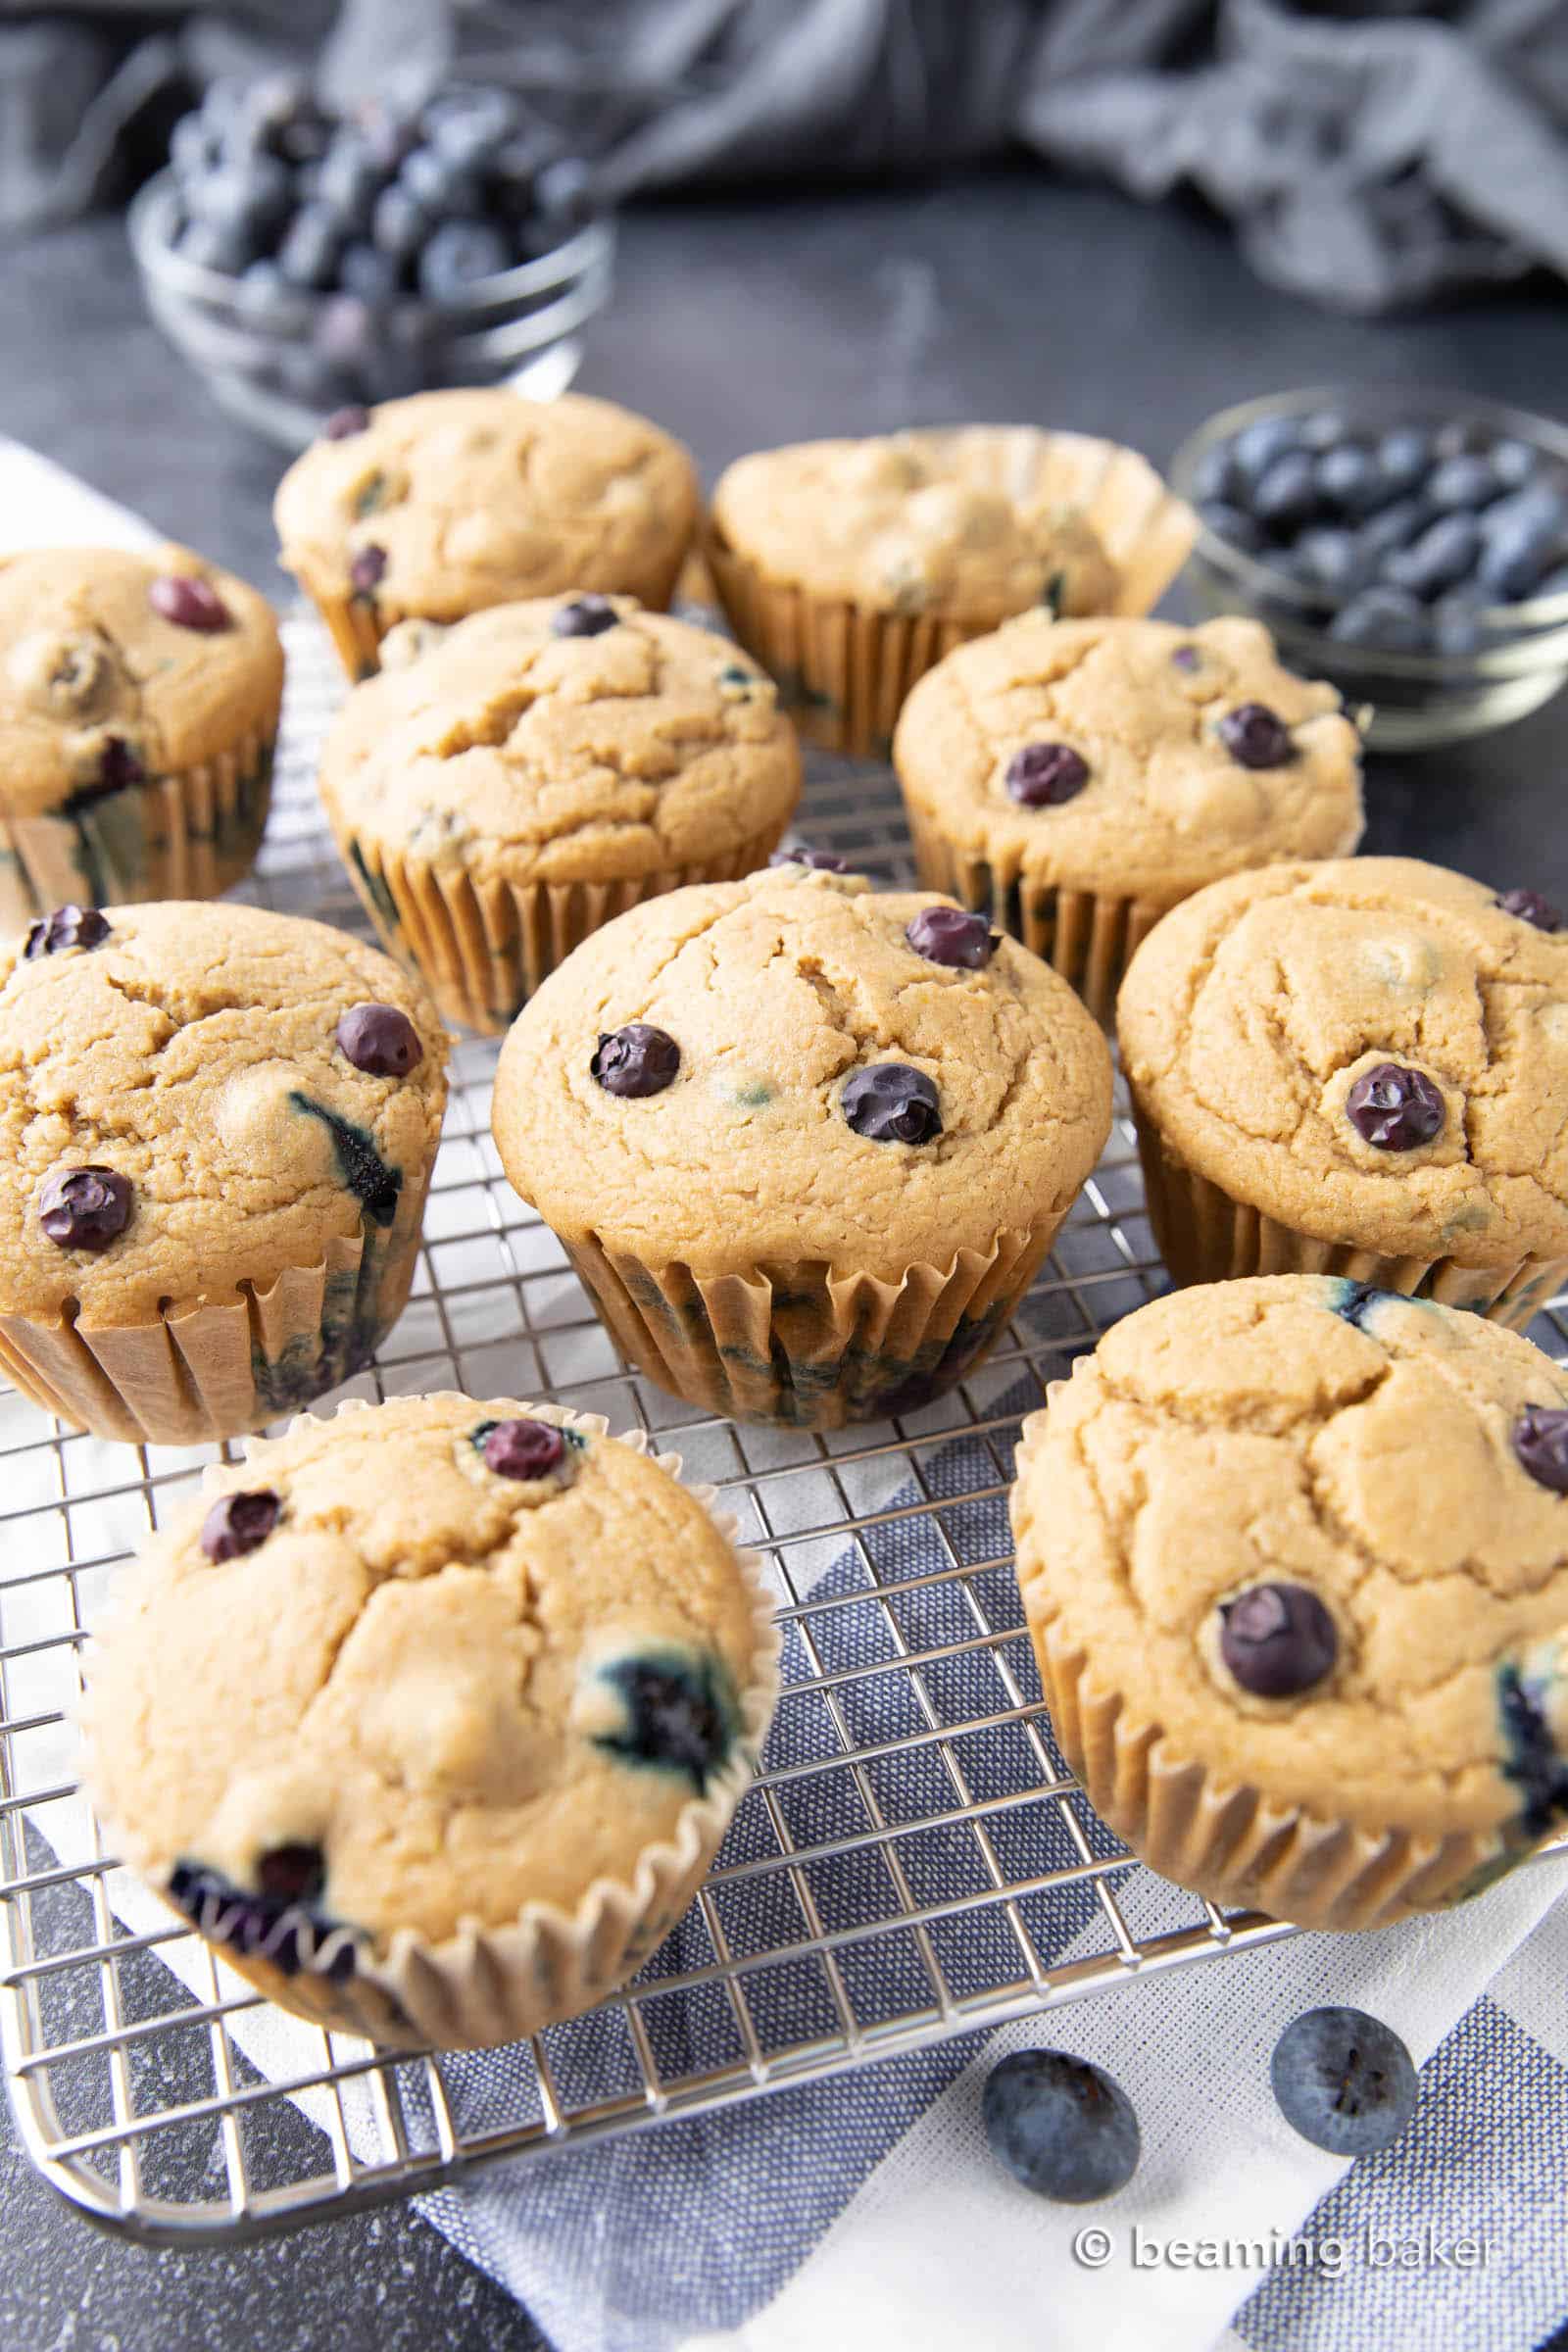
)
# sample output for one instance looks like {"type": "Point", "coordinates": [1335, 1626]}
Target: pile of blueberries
{"type": "Point", "coordinates": [395, 216]}
{"type": "Point", "coordinates": [1410, 535]}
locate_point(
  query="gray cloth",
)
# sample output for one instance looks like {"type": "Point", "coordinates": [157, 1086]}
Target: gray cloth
{"type": "Point", "coordinates": [1368, 155]}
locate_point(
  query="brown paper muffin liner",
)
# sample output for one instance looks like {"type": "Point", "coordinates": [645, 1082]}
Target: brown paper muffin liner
{"type": "Point", "coordinates": [1205, 1234]}
{"type": "Point", "coordinates": [798, 1345]}
{"type": "Point", "coordinates": [843, 670]}
{"type": "Point", "coordinates": [481, 948]}
{"type": "Point", "coordinates": [191, 834]}
{"type": "Point", "coordinates": [227, 1366]}
{"type": "Point", "coordinates": [1087, 936]}
{"type": "Point", "coordinates": [1229, 1841]}
{"type": "Point", "coordinates": [487, 1985]}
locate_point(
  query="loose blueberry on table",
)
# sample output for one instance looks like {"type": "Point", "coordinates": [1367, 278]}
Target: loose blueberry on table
{"type": "Point", "coordinates": [397, 214]}
{"type": "Point", "coordinates": [1063, 2127]}
{"type": "Point", "coordinates": [1344, 2080]}
{"type": "Point", "coordinates": [1401, 539]}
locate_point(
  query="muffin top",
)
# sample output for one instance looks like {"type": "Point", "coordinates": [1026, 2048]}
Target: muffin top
{"type": "Point", "coordinates": [179, 1110]}
{"type": "Point", "coordinates": [757, 1073]}
{"type": "Point", "coordinates": [1316, 1538]}
{"type": "Point", "coordinates": [419, 1666]}
{"type": "Point", "coordinates": [115, 666]}
{"type": "Point", "coordinates": [562, 739]}
{"type": "Point", "coordinates": [450, 501]}
{"type": "Point", "coordinates": [1370, 1049]}
{"type": "Point", "coordinates": [1129, 755]}
{"type": "Point", "coordinates": [956, 523]}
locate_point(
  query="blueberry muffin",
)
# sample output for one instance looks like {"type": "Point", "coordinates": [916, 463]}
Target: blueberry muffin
{"type": "Point", "coordinates": [431, 1715]}
{"type": "Point", "coordinates": [1294, 1555]}
{"type": "Point", "coordinates": [849, 568]}
{"type": "Point", "coordinates": [438, 506]}
{"type": "Point", "coordinates": [806, 1145]}
{"type": "Point", "coordinates": [1356, 1068]}
{"type": "Point", "coordinates": [140, 698]}
{"type": "Point", "coordinates": [506, 786]}
{"type": "Point", "coordinates": [218, 1130]}
{"type": "Point", "coordinates": [1074, 780]}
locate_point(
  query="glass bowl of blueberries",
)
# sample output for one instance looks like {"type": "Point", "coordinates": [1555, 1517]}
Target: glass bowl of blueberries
{"type": "Point", "coordinates": [1409, 546]}
{"type": "Point", "coordinates": [305, 261]}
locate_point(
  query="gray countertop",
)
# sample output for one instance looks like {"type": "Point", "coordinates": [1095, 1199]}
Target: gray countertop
{"type": "Point", "coordinates": [1003, 297]}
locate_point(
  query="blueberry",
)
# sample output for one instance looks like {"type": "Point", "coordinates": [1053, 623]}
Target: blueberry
{"type": "Point", "coordinates": [1532, 1761]}
{"type": "Point", "coordinates": [1403, 459]}
{"type": "Point", "coordinates": [189, 604]}
{"type": "Point", "coordinates": [1230, 523]}
{"type": "Point", "coordinates": [523, 1449]}
{"type": "Point", "coordinates": [1388, 619]}
{"type": "Point", "coordinates": [1344, 2080]}
{"type": "Point", "coordinates": [1277, 1639]}
{"type": "Point", "coordinates": [1395, 1108]}
{"type": "Point", "coordinates": [510, 177]}
{"type": "Point", "coordinates": [1527, 905]}
{"type": "Point", "coordinates": [459, 255]}
{"type": "Point", "coordinates": [381, 1040]}
{"type": "Point", "coordinates": [1396, 525]}
{"type": "Point", "coordinates": [1518, 553]}
{"type": "Point", "coordinates": [1064, 2127]}
{"type": "Point", "coordinates": [390, 137]}
{"type": "Point", "coordinates": [1466, 481]}
{"type": "Point", "coordinates": [309, 253]}
{"type": "Point", "coordinates": [1215, 477]}
{"type": "Point", "coordinates": [1287, 494]}
{"type": "Point", "coordinates": [258, 194]}
{"type": "Point", "coordinates": [120, 765]}
{"type": "Point", "coordinates": [585, 616]}
{"type": "Point", "coordinates": [1334, 559]}
{"type": "Point", "coordinates": [887, 1102]}
{"type": "Point", "coordinates": [1513, 461]}
{"type": "Point", "coordinates": [1456, 626]}
{"type": "Point", "coordinates": [1349, 479]}
{"type": "Point", "coordinates": [635, 1062]}
{"type": "Point", "coordinates": [267, 300]}
{"type": "Point", "coordinates": [948, 935]}
{"type": "Point", "coordinates": [351, 180]}
{"type": "Point", "coordinates": [344, 423]}
{"type": "Point", "coordinates": [367, 569]}
{"type": "Point", "coordinates": [68, 926]}
{"type": "Point", "coordinates": [469, 125]}
{"type": "Point", "coordinates": [821, 861]}
{"type": "Point", "coordinates": [1323, 429]}
{"type": "Point", "coordinates": [227, 246]}
{"type": "Point", "coordinates": [443, 186]}
{"type": "Point", "coordinates": [1255, 449]}
{"type": "Point", "coordinates": [1539, 1440]}
{"type": "Point", "coordinates": [1255, 736]}
{"type": "Point", "coordinates": [679, 1713]}
{"type": "Point", "coordinates": [369, 275]}
{"type": "Point", "coordinates": [241, 1523]}
{"type": "Point", "coordinates": [85, 1208]}
{"type": "Point", "coordinates": [1041, 775]}
{"type": "Point", "coordinates": [1456, 439]}
{"type": "Point", "coordinates": [398, 223]}
{"type": "Point", "coordinates": [564, 192]}
{"type": "Point", "coordinates": [1440, 559]}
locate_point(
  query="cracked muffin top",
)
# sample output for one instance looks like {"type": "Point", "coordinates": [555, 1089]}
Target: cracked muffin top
{"type": "Point", "coordinates": [958, 524]}
{"type": "Point", "coordinates": [564, 739]}
{"type": "Point", "coordinates": [1315, 1538]}
{"type": "Point", "coordinates": [1129, 756]}
{"type": "Point", "coordinates": [417, 1666]}
{"type": "Point", "coordinates": [453, 501]}
{"type": "Point", "coordinates": [116, 666]}
{"type": "Point", "coordinates": [195, 1093]}
{"type": "Point", "coordinates": [797, 1067]}
{"type": "Point", "coordinates": [1370, 1049]}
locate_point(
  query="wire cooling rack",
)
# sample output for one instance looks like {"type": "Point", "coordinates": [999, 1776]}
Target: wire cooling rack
{"type": "Point", "coordinates": [914, 1861]}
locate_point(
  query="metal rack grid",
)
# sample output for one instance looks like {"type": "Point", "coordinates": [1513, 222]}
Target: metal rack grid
{"type": "Point", "coordinates": [914, 1861]}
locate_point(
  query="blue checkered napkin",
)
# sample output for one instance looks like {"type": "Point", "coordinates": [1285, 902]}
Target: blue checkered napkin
{"type": "Point", "coordinates": [866, 2209]}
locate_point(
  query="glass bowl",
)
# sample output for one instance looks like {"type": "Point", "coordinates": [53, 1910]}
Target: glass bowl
{"type": "Point", "coordinates": [1412, 701]}
{"type": "Point", "coordinates": [281, 361]}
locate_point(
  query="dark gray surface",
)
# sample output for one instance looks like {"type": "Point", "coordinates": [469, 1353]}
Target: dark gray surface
{"type": "Point", "coordinates": [736, 325]}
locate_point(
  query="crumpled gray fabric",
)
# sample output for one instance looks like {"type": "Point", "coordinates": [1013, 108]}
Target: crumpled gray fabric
{"type": "Point", "coordinates": [1371, 156]}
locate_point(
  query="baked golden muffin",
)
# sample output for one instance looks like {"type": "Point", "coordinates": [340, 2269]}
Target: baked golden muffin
{"type": "Point", "coordinates": [431, 1716]}
{"type": "Point", "coordinates": [849, 568]}
{"type": "Point", "coordinates": [1359, 1067]}
{"type": "Point", "coordinates": [506, 786]}
{"type": "Point", "coordinates": [1294, 1555]}
{"type": "Point", "coordinates": [217, 1129]}
{"type": "Point", "coordinates": [807, 1144]}
{"type": "Point", "coordinates": [440, 505]}
{"type": "Point", "coordinates": [1075, 779]}
{"type": "Point", "coordinates": [139, 697]}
